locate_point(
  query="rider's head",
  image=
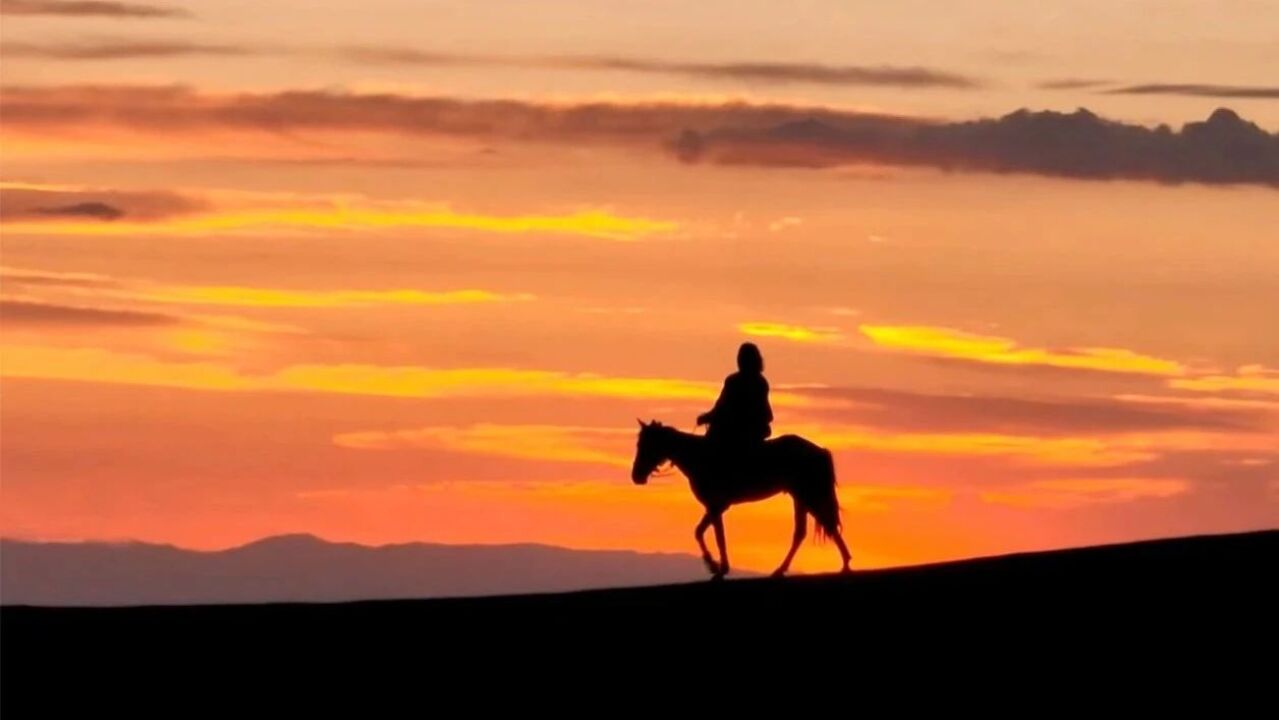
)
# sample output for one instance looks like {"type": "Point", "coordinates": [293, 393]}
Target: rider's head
{"type": "Point", "coordinates": [749, 360]}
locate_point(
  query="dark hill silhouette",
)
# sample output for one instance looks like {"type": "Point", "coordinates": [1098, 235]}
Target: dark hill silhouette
{"type": "Point", "coordinates": [1085, 621]}
{"type": "Point", "coordinates": [1155, 577]}
{"type": "Point", "coordinates": [304, 568]}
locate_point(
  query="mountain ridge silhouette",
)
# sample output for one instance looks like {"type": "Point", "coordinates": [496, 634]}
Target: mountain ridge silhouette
{"type": "Point", "coordinates": [306, 568]}
{"type": "Point", "coordinates": [1070, 615]}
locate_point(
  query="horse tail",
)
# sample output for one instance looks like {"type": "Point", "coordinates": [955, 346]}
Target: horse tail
{"type": "Point", "coordinates": [824, 504]}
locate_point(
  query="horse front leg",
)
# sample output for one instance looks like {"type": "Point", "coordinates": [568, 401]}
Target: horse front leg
{"type": "Point", "coordinates": [723, 547]}
{"type": "Point", "coordinates": [700, 534]}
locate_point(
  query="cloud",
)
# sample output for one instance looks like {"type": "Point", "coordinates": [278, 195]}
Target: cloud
{"type": "Point", "coordinates": [21, 203]}
{"type": "Point", "coordinates": [1196, 90]}
{"type": "Point", "coordinates": [1078, 451]}
{"type": "Point", "coordinates": [1072, 84]}
{"type": "Point", "coordinates": [781, 224]}
{"type": "Point", "coordinates": [101, 286]}
{"type": "Point", "coordinates": [95, 365]}
{"type": "Point", "coordinates": [1071, 494]}
{"type": "Point", "coordinates": [93, 210]}
{"type": "Point", "coordinates": [182, 336]}
{"type": "Point", "coordinates": [26, 277]}
{"type": "Point", "coordinates": [121, 50]}
{"type": "Point", "coordinates": [273, 297]}
{"type": "Point", "coordinates": [599, 446]}
{"type": "Point", "coordinates": [613, 446]}
{"type": "Point", "coordinates": [175, 108]}
{"type": "Point", "coordinates": [410, 56]}
{"type": "Point", "coordinates": [585, 223]}
{"type": "Point", "coordinates": [1183, 89]}
{"type": "Point", "coordinates": [948, 343]}
{"type": "Point", "coordinates": [842, 311]}
{"type": "Point", "coordinates": [931, 413]}
{"type": "Point", "coordinates": [1212, 467]}
{"type": "Point", "coordinates": [88, 8]}
{"type": "Point", "coordinates": [64, 211]}
{"type": "Point", "coordinates": [771, 72]}
{"type": "Point", "coordinates": [1249, 379]}
{"type": "Point", "coordinates": [794, 333]}
{"type": "Point", "coordinates": [1080, 145]}
{"type": "Point", "coordinates": [26, 313]}
{"type": "Point", "coordinates": [414, 381]}
{"type": "Point", "coordinates": [755, 72]}
{"type": "Point", "coordinates": [1225, 149]}
{"type": "Point", "coordinates": [909, 77]}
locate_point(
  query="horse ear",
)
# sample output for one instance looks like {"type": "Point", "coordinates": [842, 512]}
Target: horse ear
{"type": "Point", "coordinates": [641, 422]}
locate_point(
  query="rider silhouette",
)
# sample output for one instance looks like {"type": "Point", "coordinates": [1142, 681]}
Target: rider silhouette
{"type": "Point", "coordinates": [741, 417]}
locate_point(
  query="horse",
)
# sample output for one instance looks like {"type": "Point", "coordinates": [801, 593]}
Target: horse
{"type": "Point", "coordinates": [787, 464]}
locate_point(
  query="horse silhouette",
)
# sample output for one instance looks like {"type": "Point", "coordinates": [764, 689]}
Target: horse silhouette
{"type": "Point", "coordinates": [719, 479]}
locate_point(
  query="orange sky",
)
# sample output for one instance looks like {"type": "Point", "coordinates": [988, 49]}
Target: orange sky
{"type": "Point", "coordinates": [411, 270]}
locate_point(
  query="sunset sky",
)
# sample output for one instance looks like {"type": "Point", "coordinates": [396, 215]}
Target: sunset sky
{"type": "Point", "coordinates": [408, 270]}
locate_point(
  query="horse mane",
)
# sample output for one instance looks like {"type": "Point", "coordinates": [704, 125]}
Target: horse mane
{"type": "Point", "coordinates": [672, 431]}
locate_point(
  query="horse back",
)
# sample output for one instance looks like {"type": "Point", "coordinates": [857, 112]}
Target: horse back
{"type": "Point", "coordinates": [787, 444]}
{"type": "Point", "coordinates": [791, 441]}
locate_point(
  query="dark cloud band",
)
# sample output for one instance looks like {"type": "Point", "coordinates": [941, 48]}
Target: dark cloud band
{"type": "Point", "coordinates": [773, 72]}
{"type": "Point", "coordinates": [120, 50]}
{"type": "Point", "coordinates": [88, 8]}
{"type": "Point", "coordinates": [23, 313]}
{"type": "Point", "coordinates": [104, 205]}
{"type": "Point", "coordinates": [1216, 91]}
{"type": "Point", "coordinates": [1224, 149]}
{"type": "Point", "coordinates": [929, 413]}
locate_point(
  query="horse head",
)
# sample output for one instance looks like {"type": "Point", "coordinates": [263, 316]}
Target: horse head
{"type": "Point", "coordinates": [650, 450]}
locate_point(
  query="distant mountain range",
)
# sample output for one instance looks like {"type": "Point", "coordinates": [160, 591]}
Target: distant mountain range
{"type": "Point", "coordinates": [308, 569]}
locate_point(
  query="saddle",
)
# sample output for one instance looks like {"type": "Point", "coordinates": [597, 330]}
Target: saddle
{"type": "Point", "coordinates": [740, 456]}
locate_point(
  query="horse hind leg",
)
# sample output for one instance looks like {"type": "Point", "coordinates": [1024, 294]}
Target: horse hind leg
{"type": "Point", "coordinates": [700, 534]}
{"type": "Point", "coordinates": [828, 526]}
{"type": "Point", "coordinates": [843, 550]}
{"type": "Point", "coordinates": [797, 538]}
{"type": "Point", "coordinates": [824, 505]}
{"type": "Point", "coordinates": [722, 544]}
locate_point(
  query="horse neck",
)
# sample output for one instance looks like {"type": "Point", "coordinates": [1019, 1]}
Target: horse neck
{"type": "Point", "coordinates": [685, 451]}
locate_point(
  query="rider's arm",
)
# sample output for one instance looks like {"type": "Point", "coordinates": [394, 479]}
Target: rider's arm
{"type": "Point", "coordinates": [709, 415]}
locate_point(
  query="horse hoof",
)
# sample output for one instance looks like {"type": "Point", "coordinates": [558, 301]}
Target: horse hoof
{"type": "Point", "coordinates": [717, 577]}
{"type": "Point", "coordinates": [778, 573]}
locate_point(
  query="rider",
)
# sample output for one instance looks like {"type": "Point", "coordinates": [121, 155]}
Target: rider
{"type": "Point", "coordinates": [742, 415]}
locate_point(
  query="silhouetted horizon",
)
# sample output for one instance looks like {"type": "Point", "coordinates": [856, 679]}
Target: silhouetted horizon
{"type": "Point", "coordinates": [666, 568]}
{"type": "Point", "coordinates": [306, 567]}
